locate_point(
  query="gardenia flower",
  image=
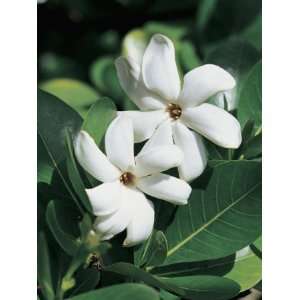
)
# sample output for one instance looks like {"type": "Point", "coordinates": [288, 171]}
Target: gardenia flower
{"type": "Point", "coordinates": [119, 202]}
{"type": "Point", "coordinates": [155, 87]}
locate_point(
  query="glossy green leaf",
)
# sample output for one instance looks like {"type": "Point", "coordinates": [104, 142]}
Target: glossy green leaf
{"type": "Point", "coordinates": [54, 117]}
{"type": "Point", "coordinates": [75, 93]}
{"type": "Point", "coordinates": [104, 76]}
{"type": "Point", "coordinates": [256, 247]}
{"type": "Point", "coordinates": [98, 118]}
{"type": "Point", "coordinates": [44, 267]}
{"type": "Point", "coordinates": [86, 280]}
{"type": "Point", "coordinates": [74, 175]}
{"type": "Point", "coordinates": [164, 295]}
{"type": "Point", "coordinates": [44, 166]}
{"type": "Point", "coordinates": [250, 100]}
{"type": "Point", "coordinates": [237, 57]}
{"type": "Point", "coordinates": [190, 287]}
{"type": "Point", "coordinates": [65, 240]}
{"type": "Point", "coordinates": [205, 287]}
{"type": "Point", "coordinates": [258, 244]}
{"type": "Point", "coordinates": [125, 291]}
{"type": "Point", "coordinates": [254, 147]}
{"type": "Point", "coordinates": [221, 218]}
{"type": "Point", "coordinates": [153, 252]}
{"type": "Point", "coordinates": [188, 57]}
{"type": "Point", "coordinates": [244, 268]}
{"type": "Point", "coordinates": [253, 33]}
{"type": "Point", "coordinates": [205, 11]}
{"type": "Point", "coordinates": [175, 31]}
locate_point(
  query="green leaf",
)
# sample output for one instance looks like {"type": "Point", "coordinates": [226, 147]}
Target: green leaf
{"type": "Point", "coordinates": [86, 280]}
{"type": "Point", "coordinates": [174, 31]}
{"type": "Point", "coordinates": [188, 57]}
{"type": "Point", "coordinates": [253, 33]}
{"type": "Point", "coordinates": [191, 287]}
{"type": "Point", "coordinates": [98, 118]}
{"type": "Point", "coordinates": [244, 268]}
{"type": "Point", "coordinates": [104, 76]}
{"type": "Point", "coordinates": [221, 218]}
{"type": "Point", "coordinates": [168, 296]}
{"type": "Point", "coordinates": [205, 287]}
{"type": "Point", "coordinates": [253, 148]}
{"type": "Point", "coordinates": [257, 247]}
{"type": "Point", "coordinates": [75, 93]}
{"type": "Point", "coordinates": [258, 244]}
{"type": "Point", "coordinates": [237, 57]}
{"type": "Point", "coordinates": [153, 252]}
{"type": "Point", "coordinates": [44, 268]}
{"type": "Point", "coordinates": [74, 175]}
{"type": "Point", "coordinates": [44, 165]}
{"type": "Point", "coordinates": [125, 291]}
{"type": "Point", "coordinates": [205, 11]}
{"type": "Point", "coordinates": [250, 100]}
{"type": "Point", "coordinates": [54, 117]}
{"type": "Point", "coordinates": [65, 240]}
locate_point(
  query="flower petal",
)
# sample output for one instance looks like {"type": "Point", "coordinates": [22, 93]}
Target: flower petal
{"type": "Point", "coordinates": [141, 225]}
{"type": "Point", "coordinates": [204, 82]}
{"type": "Point", "coordinates": [91, 158]}
{"type": "Point", "coordinates": [119, 143]}
{"type": "Point", "coordinates": [165, 187]}
{"type": "Point", "coordinates": [110, 225]}
{"type": "Point", "coordinates": [129, 74]}
{"type": "Point", "coordinates": [159, 68]}
{"type": "Point", "coordinates": [162, 136]}
{"type": "Point", "coordinates": [158, 159]}
{"type": "Point", "coordinates": [105, 198]}
{"type": "Point", "coordinates": [195, 159]}
{"type": "Point", "coordinates": [215, 124]}
{"type": "Point", "coordinates": [144, 122]}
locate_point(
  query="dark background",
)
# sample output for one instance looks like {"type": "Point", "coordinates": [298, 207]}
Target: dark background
{"type": "Point", "coordinates": [73, 33]}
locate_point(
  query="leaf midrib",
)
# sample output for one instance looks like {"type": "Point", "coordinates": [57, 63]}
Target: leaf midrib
{"type": "Point", "coordinates": [177, 273]}
{"type": "Point", "coordinates": [204, 226]}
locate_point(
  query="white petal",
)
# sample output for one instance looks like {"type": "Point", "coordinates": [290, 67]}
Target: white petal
{"type": "Point", "coordinates": [141, 225]}
{"type": "Point", "coordinates": [105, 198]}
{"type": "Point", "coordinates": [215, 124]}
{"type": "Point", "coordinates": [112, 224]}
{"type": "Point", "coordinates": [129, 74]}
{"type": "Point", "coordinates": [165, 187]}
{"type": "Point", "coordinates": [158, 159]}
{"type": "Point", "coordinates": [159, 68]}
{"type": "Point", "coordinates": [93, 160]}
{"type": "Point", "coordinates": [144, 122]}
{"type": "Point", "coordinates": [195, 159]}
{"type": "Point", "coordinates": [119, 143]}
{"type": "Point", "coordinates": [162, 136]}
{"type": "Point", "coordinates": [204, 82]}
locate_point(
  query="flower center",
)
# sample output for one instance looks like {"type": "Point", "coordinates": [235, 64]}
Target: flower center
{"type": "Point", "coordinates": [127, 178]}
{"type": "Point", "coordinates": [174, 111]}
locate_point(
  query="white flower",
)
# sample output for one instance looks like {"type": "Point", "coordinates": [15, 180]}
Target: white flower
{"type": "Point", "coordinates": [155, 87]}
{"type": "Point", "coordinates": [120, 202]}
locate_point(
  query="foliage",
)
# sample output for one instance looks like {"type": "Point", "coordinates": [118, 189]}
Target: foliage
{"type": "Point", "coordinates": [209, 249]}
